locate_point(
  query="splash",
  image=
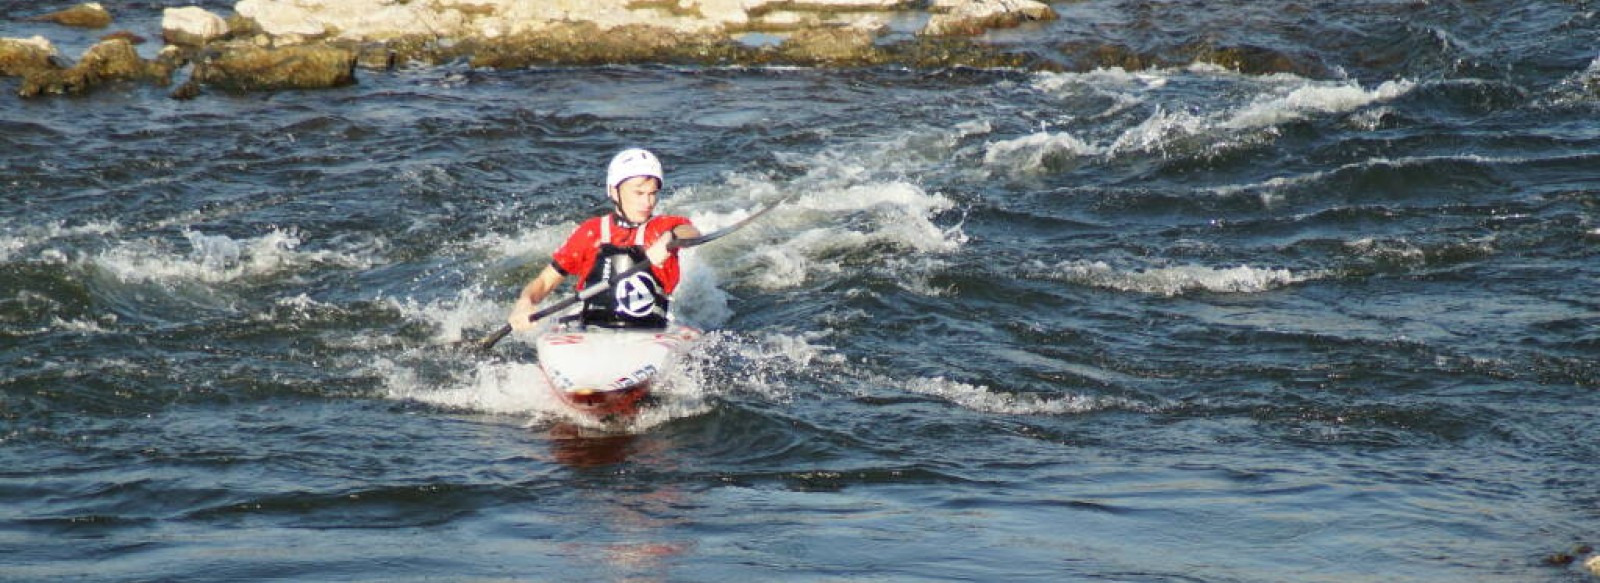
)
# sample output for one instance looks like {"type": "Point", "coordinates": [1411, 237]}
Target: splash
{"type": "Point", "coordinates": [521, 389]}
{"type": "Point", "coordinates": [494, 388]}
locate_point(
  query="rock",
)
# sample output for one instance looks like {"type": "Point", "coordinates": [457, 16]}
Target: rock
{"type": "Point", "coordinates": [110, 60]}
{"type": "Point", "coordinates": [280, 18]}
{"type": "Point", "coordinates": [359, 20]}
{"type": "Point", "coordinates": [191, 26]}
{"type": "Point", "coordinates": [971, 17]}
{"type": "Point", "coordinates": [297, 44]}
{"type": "Point", "coordinates": [244, 66]}
{"type": "Point", "coordinates": [126, 35]}
{"type": "Point", "coordinates": [707, 20]}
{"type": "Point", "coordinates": [18, 57]}
{"type": "Point", "coordinates": [90, 15]}
{"type": "Point", "coordinates": [1593, 564]}
{"type": "Point", "coordinates": [835, 46]}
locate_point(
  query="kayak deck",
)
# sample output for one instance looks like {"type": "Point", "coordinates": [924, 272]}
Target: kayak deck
{"type": "Point", "coordinates": [602, 372]}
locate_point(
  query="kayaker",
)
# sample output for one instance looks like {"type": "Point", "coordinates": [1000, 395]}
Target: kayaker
{"type": "Point", "coordinates": [612, 243]}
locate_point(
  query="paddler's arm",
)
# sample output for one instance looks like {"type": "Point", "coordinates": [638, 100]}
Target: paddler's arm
{"type": "Point", "coordinates": [658, 252]}
{"type": "Point", "coordinates": [531, 295]}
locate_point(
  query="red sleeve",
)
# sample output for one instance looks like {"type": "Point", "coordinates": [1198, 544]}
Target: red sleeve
{"type": "Point", "coordinates": [668, 272]}
{"type": "Point", "coordinates": [576, 256]}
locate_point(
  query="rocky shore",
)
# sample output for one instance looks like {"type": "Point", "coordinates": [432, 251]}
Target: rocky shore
{"type": "Point", "coordinates": [297, 44]}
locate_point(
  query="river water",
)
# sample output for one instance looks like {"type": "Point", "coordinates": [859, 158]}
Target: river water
{"type": "Point", "coordinates": [1177, 323]}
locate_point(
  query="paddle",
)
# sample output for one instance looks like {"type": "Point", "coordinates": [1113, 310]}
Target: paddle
{"type": "Point", "coordinates": [489, 341]}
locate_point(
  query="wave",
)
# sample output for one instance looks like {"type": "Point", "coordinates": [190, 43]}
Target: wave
{"type": "Point", "coordinates": [221, 259]}
{"type": "Point", "coordinates": [1311, 98]}
{"type": "Point", "coordinates": [1581, 89]}
{"type": "Point", "coordinates": [1155, 112]}
{"type": "Point", "coordinates": [985, 400]}
{"type": "Point", "coordinates": [1174, 281]}
{"type": "Point", "coordinates": [14, 242]}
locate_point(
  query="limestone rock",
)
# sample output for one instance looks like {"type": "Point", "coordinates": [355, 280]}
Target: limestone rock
{"type": "Point", "coordinates": [192, 26]}
{"type": "Point", "coordinates": [89, 15]}
{"type": "Point", "coordinates": [246, 67]}
{"type": "Point", "coordinates": [20, 56]}
{"type": "Point", "coordinates": [359, 20]}
{"type": "Point", "coordinates": [126, 35]}
{"type": "Point", "coordinates": [971, 17]}
{"type": "Point", "coordinates": [110, 60]}
{"type": "Point", "coordinates": [839, 45]}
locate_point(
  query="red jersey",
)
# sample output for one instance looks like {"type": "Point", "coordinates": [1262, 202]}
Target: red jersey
{"type": "Point", "coordinates": [577, 256]}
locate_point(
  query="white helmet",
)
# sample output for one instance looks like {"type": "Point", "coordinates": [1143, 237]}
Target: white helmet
{"type": "Point", "coordinates": [631, 163]}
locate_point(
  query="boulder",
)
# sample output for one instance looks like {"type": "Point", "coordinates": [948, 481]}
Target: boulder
{"type": "Point", "coordinates": [357, 20]}
{"type": "Point", "coordinates": [90, 15]}
{"type": "Point", "coordinates": [191, 26]}
{"type": "Point", "coordinates": [109, 60]}
{"type": "Point", "coordinates": [112, 60]}
{"type": "Point", "coordinates": [243, 66]}
{"type": "Point", "coordinates": [281, 18]}
{"type": "Point", "coordinates": [708, 20]}
{"type": "Point", "coordinates": [18, 57]}
{"type": "Point", "coordinates": [971, 17]}
{"type": "Point", "coordinates": [833, 46]}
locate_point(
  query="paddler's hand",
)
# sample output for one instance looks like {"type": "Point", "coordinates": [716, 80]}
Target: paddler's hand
{"type": "Point", "coordinates": [521, 315]}
{"type": "Point", "coordinates": [658, 253]}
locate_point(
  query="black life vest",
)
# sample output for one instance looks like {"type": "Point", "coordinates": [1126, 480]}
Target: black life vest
{"type": "Point", "coordinates": [635, 301]}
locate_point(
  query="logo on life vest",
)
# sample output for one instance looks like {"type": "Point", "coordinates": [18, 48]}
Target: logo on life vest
{"type": "Point", "coordinates": [636, 295]}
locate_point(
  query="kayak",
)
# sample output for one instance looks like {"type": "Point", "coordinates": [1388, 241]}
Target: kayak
{"type": "Point", "coordinates": [605, 373]}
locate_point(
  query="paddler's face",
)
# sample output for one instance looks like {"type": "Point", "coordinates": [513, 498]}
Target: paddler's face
{"type": "Point", "coordinates": [637, 197]}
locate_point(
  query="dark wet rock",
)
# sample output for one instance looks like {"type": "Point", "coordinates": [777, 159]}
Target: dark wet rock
{"type": "Point", "coordinates": [1253, 60]}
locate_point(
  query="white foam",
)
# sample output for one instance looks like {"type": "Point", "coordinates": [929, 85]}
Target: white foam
{"type": "Point", "coordinates": [1173, 281]}
{"type": "Point", "coordinates": [1029, 153]}
{"type": "Point", "coordinates": [495, 388]}
{"type": "Point", "coordinates": [1099, 79]}
{"type": "Point", "coordinates": [522, 390]}
{"type": "Point", "coordinates": [1248, 109]}
{"type": "Point", "coordinates": [1158, 130]}
{"type": "Point", "coordinates": [983, 399]}
{"type": "Point", "coordinates": [219, 258]}
{"type": "Point", "coordinates": [455, 318]}
{"type": "Point", "coordinates": [14, 241]}
{"type": "Point", "coordinates": [1311, 97]}
{"type": "Point", "coordinates": [10, 245]}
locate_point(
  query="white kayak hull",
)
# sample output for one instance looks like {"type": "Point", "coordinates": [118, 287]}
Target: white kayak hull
{"type": "Point", "coordinates": [602, 372]}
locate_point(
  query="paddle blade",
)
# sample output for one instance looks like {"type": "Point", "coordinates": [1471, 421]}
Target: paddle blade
{"type": "Point", "coordinates": [489, 341]}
